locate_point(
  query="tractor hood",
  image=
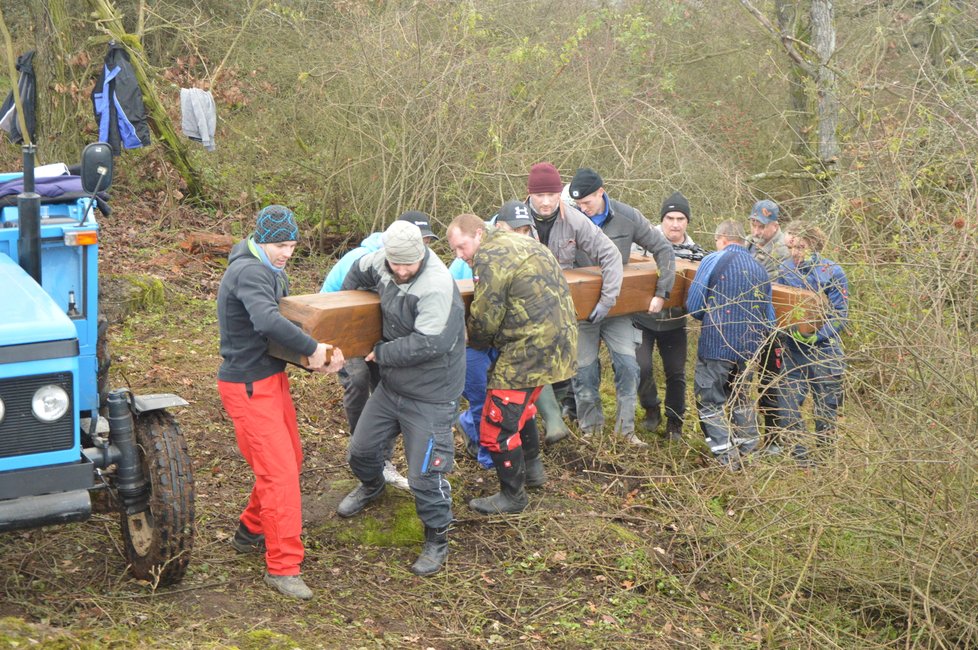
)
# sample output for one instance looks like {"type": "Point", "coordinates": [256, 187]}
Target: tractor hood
{"type": "Point", "coordinates": [27, 312]}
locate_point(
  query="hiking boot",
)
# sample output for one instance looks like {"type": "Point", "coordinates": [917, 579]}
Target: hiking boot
{"type": "Point", "coordinates": [568, 412]}
{"type": "Point", "coordinates": [802, 457]}
{"type": "Point", "coordinates": [634, 440]}
{"type": "Point", "coordinates": [393, 478]}
{"type": "Point", "coordinates": [360, 498]}
{"type": "Point", "coordinates": [536, 475]}
{"type": "Point", "coordinates": [674, 430]}
{"type": "Point", "coordinates": [433, 553]}
{"type": "Point", "coordinates": [245, 541]}
{"type": "Point", "coordinates": [291, 586]}
{"type": "Point", "coordinates": [653, 418]}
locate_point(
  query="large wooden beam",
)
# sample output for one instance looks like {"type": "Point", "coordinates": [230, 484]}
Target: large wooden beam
{"type": "Point", "coordinates": [351, 320]}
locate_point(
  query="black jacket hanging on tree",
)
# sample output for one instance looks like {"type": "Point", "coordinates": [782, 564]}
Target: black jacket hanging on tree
{"type": "Point", "coordinates": [118, 103]}
{"type": "Point", "coordinates": [28, 98]}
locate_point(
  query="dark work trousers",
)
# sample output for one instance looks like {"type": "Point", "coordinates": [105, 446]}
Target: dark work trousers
{"type": "Point", "coordinates": [426, 429]}
{"type": "Point", "coordinates": [359, 378]}
{"type": "Point", "coordinates": [727, 415]}
{"type": "Point", "coordinates": [672, 349]}
{"type": "Point", "coordinates": [816, 371]}
{"type": "Point", "coordinates": [769, 402]}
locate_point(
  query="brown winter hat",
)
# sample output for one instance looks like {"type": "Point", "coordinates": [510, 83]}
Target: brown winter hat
{"type": "Point", "coordinates": [544, 179]}
{"type": "Point", "coordinates": [403, 243]}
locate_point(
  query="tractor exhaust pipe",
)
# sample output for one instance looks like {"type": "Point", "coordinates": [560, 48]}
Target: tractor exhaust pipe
{"type": "Point", "coordinates": [29, 208]}
{"type": "Point", "coordinates": [132, 485]}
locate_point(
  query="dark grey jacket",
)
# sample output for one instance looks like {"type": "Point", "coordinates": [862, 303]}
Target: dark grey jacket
{"type": "Point", "coordinates": [422, 353]}
{"type": "Point", "coordinates": [670, 318]}
{"type": "Point", "coordinates": [248, 316]}
{"type": "Point", "coordinates": [625, 226]}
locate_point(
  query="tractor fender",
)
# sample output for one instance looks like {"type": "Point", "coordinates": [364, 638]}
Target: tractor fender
{"type": "Point", "coordinates": [156, 402]}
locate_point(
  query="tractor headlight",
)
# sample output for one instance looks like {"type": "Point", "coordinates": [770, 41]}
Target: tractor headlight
{"type": "Point", "coordinates": [49, 403]}
{"type": "Point", "coordinates": [3, 410]}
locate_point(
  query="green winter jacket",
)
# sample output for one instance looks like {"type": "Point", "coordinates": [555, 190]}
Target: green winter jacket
{"type": "Point", "coordinates": [522, 307]}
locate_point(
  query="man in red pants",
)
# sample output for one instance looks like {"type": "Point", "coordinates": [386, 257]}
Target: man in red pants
{"type": "Point", "coordinates": [255, 391]}
{"type": "Point", "coordinates": [522, 308]}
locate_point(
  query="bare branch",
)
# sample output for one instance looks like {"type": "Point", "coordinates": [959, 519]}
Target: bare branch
{"type": "Point", "coordinates": [787, 41]}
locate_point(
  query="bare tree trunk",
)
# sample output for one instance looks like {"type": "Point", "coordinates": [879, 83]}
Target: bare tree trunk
{"type": "Point", "coordinates": [801, 115]}
{"type": "Point", "coordinates": [827, 102]}
{"type": "Point", "coordinates": [812, 63]}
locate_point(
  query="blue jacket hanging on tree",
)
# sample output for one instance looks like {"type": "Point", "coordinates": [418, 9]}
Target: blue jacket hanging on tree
{"type": "Point", "coordinates": [118, 103]}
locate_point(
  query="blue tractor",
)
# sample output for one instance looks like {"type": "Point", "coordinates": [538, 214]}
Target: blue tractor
{"type": "Point", "coordinates": [63, 435]}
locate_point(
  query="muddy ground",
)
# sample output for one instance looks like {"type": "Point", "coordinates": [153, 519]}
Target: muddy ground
{"type": "Point", "coordinates": [599, 559]}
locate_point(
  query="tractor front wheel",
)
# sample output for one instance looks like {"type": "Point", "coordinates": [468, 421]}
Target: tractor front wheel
{"type": "Point", "coordinates": [158, 541]}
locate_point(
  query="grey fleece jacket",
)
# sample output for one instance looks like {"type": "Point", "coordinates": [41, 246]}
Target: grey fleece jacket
{"type": "Point", "coordinates": [571, 232]}
{"type": "Point", "coordinates": [422, 353]}
{"type": "Point", "coordinates": [248, 316]}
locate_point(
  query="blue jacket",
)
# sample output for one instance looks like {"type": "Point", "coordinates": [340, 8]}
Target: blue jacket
{"type": "Point", "coordinates": [460, 269]}
{"type": "Point", "coordinates": [334, 279]}
{"type": "Point", "coordinates": [734, 304]}
{"type": "Point", "coordinates": [821, 275]}
{"type": "Point", "coordinates": [118, 103]}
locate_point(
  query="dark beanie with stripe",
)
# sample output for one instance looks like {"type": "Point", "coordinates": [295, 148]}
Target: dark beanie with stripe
{"type": "Point", "coordinates": [275, 224]}
{"type": "Point", "coordinates": [675, 203]}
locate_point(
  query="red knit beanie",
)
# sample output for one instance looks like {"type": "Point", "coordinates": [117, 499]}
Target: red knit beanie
{"type": "Point", "coordinates": [544, 179]}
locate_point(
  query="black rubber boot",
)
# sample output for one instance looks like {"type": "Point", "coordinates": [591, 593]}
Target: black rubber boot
{"type": "Point", "coordinates": [433, 553]}
{"type": "Point", "coordinates": [361, 497]}
{"type": "Point", "coordinates": [511, 498]}
{"type": "Point", "coordinates": [564, 394]}
{"type": "Point", "coordinates": [553, 422]}
{"type": "Point", "coordinates": [536, 475]}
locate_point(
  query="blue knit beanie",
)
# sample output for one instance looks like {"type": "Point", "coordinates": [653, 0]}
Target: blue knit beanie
{"type": "Point", "coordinates": [276, 224]}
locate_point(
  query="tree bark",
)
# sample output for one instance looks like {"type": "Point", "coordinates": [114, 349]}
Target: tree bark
{"type": "Point", "coordinates": [801, 117]}
{"type": "Point", "coordinates": [827, 101]}
{"type": "Point", "coordinates": [814, 75]}
{"type": "Point", "coordinates": [58, 113]}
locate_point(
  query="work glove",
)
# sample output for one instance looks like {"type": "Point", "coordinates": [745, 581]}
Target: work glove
{"type": "Point", "coordinates": [807, 339]}
{"type": "Point", "coordinates": [599, 313]}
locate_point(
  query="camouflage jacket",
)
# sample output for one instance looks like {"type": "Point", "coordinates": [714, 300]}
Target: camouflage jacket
{"type": "Point", "coordinates": [522, 307]}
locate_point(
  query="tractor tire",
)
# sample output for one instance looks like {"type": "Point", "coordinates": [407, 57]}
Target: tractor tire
{"type": "Point", "coordinates": [158, 542]}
